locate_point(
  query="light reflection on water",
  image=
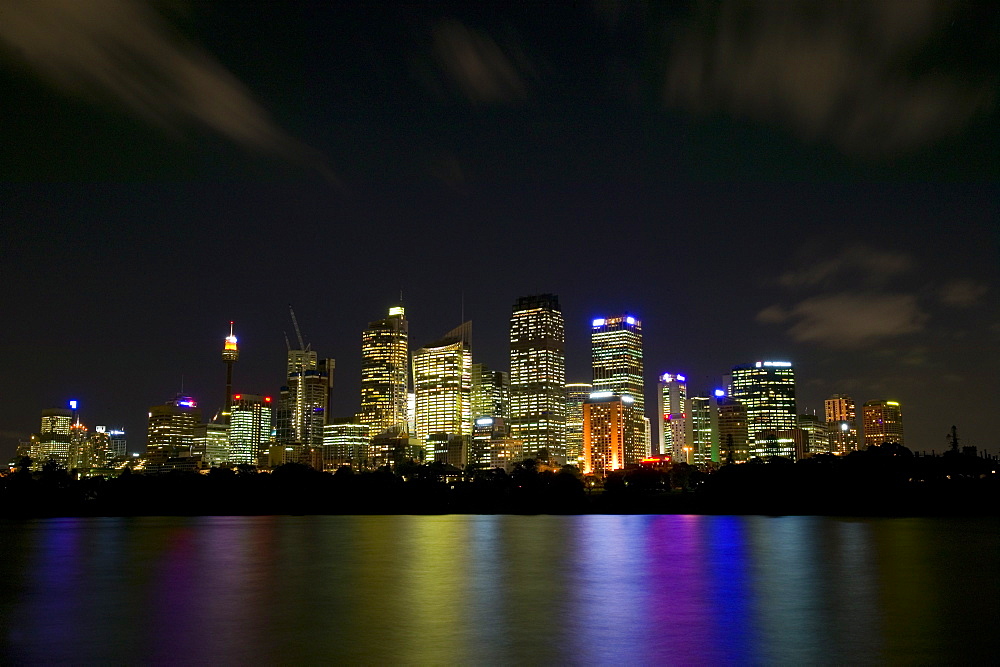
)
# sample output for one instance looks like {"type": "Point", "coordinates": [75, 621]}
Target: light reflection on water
{"type": "Point", "coordinates": [499, 589]}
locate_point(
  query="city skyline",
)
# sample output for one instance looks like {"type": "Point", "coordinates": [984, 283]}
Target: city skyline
{"type": "Point", "coordinates": [748, 199]}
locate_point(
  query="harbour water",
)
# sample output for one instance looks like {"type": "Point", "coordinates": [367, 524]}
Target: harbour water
{"type": "Point", "coordinates": [461, 589]}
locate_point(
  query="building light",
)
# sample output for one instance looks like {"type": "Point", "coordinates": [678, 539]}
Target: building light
{"type": "Point", "coordinates": [601, 394]}
{"type": "Point", "coordinates": [630, 320]}
{"type": "Point", "coordinates": [719, 393]}
{"type": "Point", "coordinates": [72, 405]}
{"type": "Point", "coordinates": [599, 322]}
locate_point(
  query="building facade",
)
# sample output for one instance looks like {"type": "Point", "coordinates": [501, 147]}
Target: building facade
{"type": "Point", "coordinates": [616, 357]}
{"type": "Point", "coordinates": [442, 383]}
{"type": "Point", "coordinates": [576, 394]}
{"type": "Point", "coordinates": [170, 427]}
{"type": "Point", "coordinates": [605, 427]}
{"type": "Point", "coordinates": [883, 422]}
{"type": "Point", "coordinates": [841, 424]}
{"type": "Point", "coordinates": [249, 428]}
{"type": "Point", "coordinates": [385, 372]}
{"type": "Point", "coordinates": [767, 391]}
{"type": "Point", "coordinates": [538, 376]}
{"type": "Point", "coordinates": [672, 398]}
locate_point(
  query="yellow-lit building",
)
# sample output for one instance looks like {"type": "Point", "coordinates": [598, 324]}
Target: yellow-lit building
{"type": "Point", "coordinates": [616, 356]}
{"type": "Point", "coordinates": [883, 422]}
{"type": "Point", "coordinates": [442, 384]}
{"type": "Point", "coordinates": [385, 373]}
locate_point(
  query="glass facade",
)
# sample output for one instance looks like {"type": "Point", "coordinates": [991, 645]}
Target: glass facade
{"type": "Point", "coordinates": [767, 391]}
{"type": "Point", "coordinates": [385, 372]}
{"type": "Point", "coordinates": [442, 384]}
{"type": "Point", "coordinates": [249, 428]}
{"type": "Point", "coordinates": [616, 355]}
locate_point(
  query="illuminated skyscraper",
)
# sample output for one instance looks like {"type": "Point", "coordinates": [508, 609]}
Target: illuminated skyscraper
{"type": "Point", "coordinates": [841, 424]}
{"type": "Point", "coordinates": [211, 441]}
{"type": "Point", "coordinates": [767, 391]}
{"type": "Point", "coordinates": [230, 354]}
{"type": "Point", "coordinates": [442, 382]}
{"type": "Point", "coordinates": [673, 409]}
{"type": "Point", "coordinates": [605, 425]}
{"type": "Point", "coordinates": [703, 430]}
{"type": "Point", "coordinates": [538, 376]}
{"type": "Point", "coordinates": [345, 443]}
{"type": "Point", "coordinates": [304, 402]}
{"type": "Point", "coordinates": [170, 430]}
{"type": "Point", "coordinates": [732, 431]}
{"type": "Point", "coordinates": [883, 422]}
{"type": "Point", "coordinates": [616, 354]}
{"type": "Point", "coordinates": [490, 393]}
{"type": "Point", "coordinates": [385, 372]}
{"type": "Point", "coordinates": [53, 438]}
{"type": "Point", "coordinates": [576, 394]}
{"type": "Point", "coordinates": [815, 427]}
{"type": "Point", "coordinates": [249, 428]}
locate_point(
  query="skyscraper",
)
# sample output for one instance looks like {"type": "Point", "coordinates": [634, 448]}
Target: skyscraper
{"type": "Point", "coordinates": [53, 438]}
{"type": "Point", "coordinates": [703, 430]}
{"type": "Point", "coordinates": [538, 376]}
{"type": "Point", "coordinates": [605, 425]}
{"type": "Point", "coordinates": [442, 382]}
{"type": "Point", "coordinates": [883, 422]}
{"type": "Point", "coordinates": [616, 354]}
{"type": "Point", "coordinates": [673, 408]}
{"type": "Point", "coordinates": [841, 424]}
{"type": "Point", "coordinates": [576, 394]}
{"type": "Point", "coordinates": [249, 428]}
{"type": "Point", "coordinates": [732, 431]}
{"type": "Point", "coordinates": [211, 441]}
{"type": "Point", "coordinates": [230, 354]}
{"type": "Point", "coordinates": [490, 393]}
{"type": "Point", "coordinates": [767, 391]}
{"type": "Point", "coordinates": [304, 401]}
{"type": "Point", "coordinates": [170, 429]}
{"type": "Point", "coordinates": [385, 372]}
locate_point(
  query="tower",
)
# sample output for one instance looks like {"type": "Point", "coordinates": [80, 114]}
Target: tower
{"type": "Point", "coordinates": [538, 376]}
{"type": "Point", "coordinates": [576, 394]}
{"type": "Point", "coordinates": [767, 391]}
{"type": "Point", "coordinates": [385, 372]}
{"type": "Point", "coordinates": [490, 393]}
{"type": "Point", "coordinates": [249, 427]}
{"type": "Point", "coordinates": [171, 426]}
{"type": "Point", "coordinates": [703, 430]}
{"type": "Point", "coordinates": [841, 424]}
{"type": "Point", "coordinates": [605, 427]}
{"type": "Point", "coordinates": [53, 438]}
{"type": "Point", "coordinates": [672, 396]}
{"type": "Point", "coordinates": [305, 399]}
{"type": "Point", "coordinates": [616, 354]}
{"type": "Point", "coordinates": [230, 355]}
{"type": "Point", "coordinates": [883, 422]}
{"type": "Point", "coordinates": [442, 383]}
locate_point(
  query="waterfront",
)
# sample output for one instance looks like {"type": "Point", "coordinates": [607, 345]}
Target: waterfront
{"type": "Point", "coordinates": [499, 589]}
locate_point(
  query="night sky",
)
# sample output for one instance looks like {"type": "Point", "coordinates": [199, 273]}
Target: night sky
{"type": "Point", "coordinates": [813, 182]}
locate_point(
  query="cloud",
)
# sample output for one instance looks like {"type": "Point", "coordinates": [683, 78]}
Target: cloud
{"type": "Point", "coordinates": [870, 266]}
{"type": "Point", "coordinates": [843, 72]}
{"type": "Point", "coordinates": [123, 50]}
{"type": "Point", "coordinates": [848, 320]}
{"type": "Point", "coordinates": [479, 67]}
{"type": "Point", "coordinates": [962, 293]}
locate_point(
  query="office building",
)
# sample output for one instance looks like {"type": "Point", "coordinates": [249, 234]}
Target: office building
{"type": "Point", "coordinates": [605, 426]}
{"type": "Point", "coordinates": [703, 431]}
{"type": "Point", "coordinates": [304, 401]}
{"type": "Point", "coordinates": [345, 444]}
{"type": "Point", "coordinates": [538, 376]}
{"type": "Point", "coordinates": [841, 424]}
{"type": "Point", "coordinates": [249, 428]}
{"type": "Point", "coordinates": [170, 428]}
{"type": "Point", "coordinates": [52, 442]}
{"type": "Point", "coordinates": [672, 397]}
{"type": "Point", "coordinates": [576, 394]}
{"type": "Point", "coordinates": [490, 394]}
{"type": "Point", "coordinates": [616, 355]}
{"type": "Point", "coordinates": [442, 383]}
{"type": "Point", "coordinates": [883, 422]}
{"type": "Point", "coordinates": [211, 442]}
{"type": "Point", "coordinates": [732, 431]}
{"type": "Point", "coordinates": [385, 373]}
{"type": "Point", "coordinates": [814, 427]}
{"type": "Point", "coordinates": [767, 391]}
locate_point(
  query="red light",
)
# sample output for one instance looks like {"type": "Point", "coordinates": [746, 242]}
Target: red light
{"type": "Point", "coordinates": [237, 396]}
{"type": "Point", "coordinates": [267, 399]}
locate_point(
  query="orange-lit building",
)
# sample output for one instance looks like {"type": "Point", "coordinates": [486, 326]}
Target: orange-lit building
{"type": "Point", "coordinates": [604, 431]}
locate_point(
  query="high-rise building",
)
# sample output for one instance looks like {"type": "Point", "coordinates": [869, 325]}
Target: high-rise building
{"type": "Point", "coordinates": [170, 429]}
{"type": "Point", "coordinates": [815, 428]}
{"type": "Point", "coordinates": [230, 355]}
{"type": "Point", "coordinates": [883, 422]}
{"type": "Point", "coordinates": [841, 424]}
{"type": "Point", "coordinates": [605, 425]}
{"type": "Point", "coordinates": [80, 453]}
{"type": "Point", "coordinates": [211, 441]}
{"type": "Point", "coordinates": [673, 409]}
{"type": "Point", "coordinates": [616, 354]}
{"type": "Point", "coordinates": [732, 431]}
{"type": "Point", "coordinates": [385, 372]}
{"type": "Point", "coordinates": [442, 382]}
{"type": "Point", "coordinates": [53, 438]}
{"type": "Point", "coordinates": [345, 444]}
{"type": "Point", "coordinates": [703, 430]}
{"type": "Point", "coordinates": [576, 394]}
{"type": "Point", "coordinates": [304, 401]}
{"type": "Point", "coordinates": [538, 376]}
{"type": "Point", "coordinates": [249, 428]}
{"type": "Point", "coordinates": [490, 394]}
{"type": "Point", "coordinates": [767, 391]}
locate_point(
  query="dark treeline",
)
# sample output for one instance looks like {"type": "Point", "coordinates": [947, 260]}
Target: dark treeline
{"type": "Point", "coordinates": [882, 481]}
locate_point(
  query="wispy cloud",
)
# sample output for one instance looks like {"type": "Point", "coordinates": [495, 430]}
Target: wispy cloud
{"type": "Point", "coordinates": [124, 51]}
{"type": "Point", "coordinates": [861, 263]}
{"type": "Point", "coordinates": [848, 319]}
{"type": "Point", "coordinates": [484, 72]}
{"type": "Point", "coordinates": [842, 72]}
{"type": "Point", "coordinates": [962, 293]}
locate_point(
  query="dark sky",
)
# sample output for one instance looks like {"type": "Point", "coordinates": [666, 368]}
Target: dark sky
{"type": "Point", "coordinates": [815, 182]}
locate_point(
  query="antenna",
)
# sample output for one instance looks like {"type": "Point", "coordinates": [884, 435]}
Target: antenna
{"type": "Point", "coordinates": [462, 319]}
{"type": "Point", "coordinates": [182, 383]}
{"type": "Point", "coordinates": [295, 323]}
{"type": "Point", "coordinates": [230, 328]}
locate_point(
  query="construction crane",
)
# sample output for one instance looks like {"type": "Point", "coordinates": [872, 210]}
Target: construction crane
{"type": "Point", "coordinates": [298, 333]}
